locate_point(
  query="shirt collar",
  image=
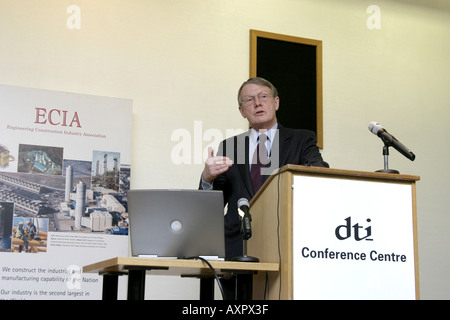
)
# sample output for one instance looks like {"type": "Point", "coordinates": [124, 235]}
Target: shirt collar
{"type": "Point", "coordinates": [270, 133]}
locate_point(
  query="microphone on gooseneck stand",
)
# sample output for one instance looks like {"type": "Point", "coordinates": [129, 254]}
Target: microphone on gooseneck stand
{"type": "Point", "coordinates": [246, 229]}
{"type": "Point", "coordinates": [389, 141]}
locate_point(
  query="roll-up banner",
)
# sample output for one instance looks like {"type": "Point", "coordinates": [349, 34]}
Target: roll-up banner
{"type": "Point", "coordinates": [64, 173]}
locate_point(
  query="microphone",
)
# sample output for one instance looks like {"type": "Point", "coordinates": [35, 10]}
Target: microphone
{"type": "Point", "coordinates": [246, 228]}
{"type": "Point", "coordinates": [390, 140]}
{"type": "Point", "coordinates": [244, 212]}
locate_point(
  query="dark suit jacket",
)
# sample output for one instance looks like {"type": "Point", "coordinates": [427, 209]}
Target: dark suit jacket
{"type": "Point", "coordinates": [296, 146]}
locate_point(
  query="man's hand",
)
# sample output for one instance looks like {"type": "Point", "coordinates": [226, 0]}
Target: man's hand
{"type": "Point", "coordinates": [214, 166]}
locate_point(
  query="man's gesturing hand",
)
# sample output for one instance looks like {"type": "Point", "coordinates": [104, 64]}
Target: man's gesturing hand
{"type": "Point", "coordinates": [215, 166]}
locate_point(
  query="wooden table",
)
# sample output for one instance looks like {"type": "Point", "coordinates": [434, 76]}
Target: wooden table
{"type": "Point", "coordinates": [137, 268]}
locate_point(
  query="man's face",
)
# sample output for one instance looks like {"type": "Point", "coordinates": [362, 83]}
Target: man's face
{"type": "Point", "coordinates": [259, 106]}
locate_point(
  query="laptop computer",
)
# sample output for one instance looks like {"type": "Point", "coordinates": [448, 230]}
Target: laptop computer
{"type": "Point", "coordinates": [176, 223]}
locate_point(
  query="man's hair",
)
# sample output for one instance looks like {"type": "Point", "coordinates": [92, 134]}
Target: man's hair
{"type": "Point", "coordinates": [259, 81]}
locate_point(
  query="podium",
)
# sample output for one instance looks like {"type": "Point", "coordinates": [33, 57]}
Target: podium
{"type": "Point", "coordinates": [336, 234]}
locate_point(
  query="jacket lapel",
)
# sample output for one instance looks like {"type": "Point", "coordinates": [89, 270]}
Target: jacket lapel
{"type": "Point", "coordinates": [244, 168]}
{"type": "Point", "coordinates": [279, 146]}
{"type": "Point", "coordinates": [278, 151]}
{"type": "Point", "coordinates": [283, 142]}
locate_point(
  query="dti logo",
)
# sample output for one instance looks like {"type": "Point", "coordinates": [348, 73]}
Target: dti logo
{"type": "Point", "coordinates": [345, 231]}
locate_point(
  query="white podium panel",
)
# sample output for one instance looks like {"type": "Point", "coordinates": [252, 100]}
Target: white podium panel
{"type": "Point", "coordinates": [352, 239]}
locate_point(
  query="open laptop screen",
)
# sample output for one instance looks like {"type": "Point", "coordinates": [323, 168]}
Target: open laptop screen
{"type": "Point", "coordinates": [176, 223]}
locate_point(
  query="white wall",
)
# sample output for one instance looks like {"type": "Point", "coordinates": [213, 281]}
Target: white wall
{"type": "Point", "coordinates": [182, 61]}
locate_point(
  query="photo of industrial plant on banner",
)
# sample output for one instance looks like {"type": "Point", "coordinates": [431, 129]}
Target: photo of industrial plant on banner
{"type": "Point", "coordinates": [64, 173]}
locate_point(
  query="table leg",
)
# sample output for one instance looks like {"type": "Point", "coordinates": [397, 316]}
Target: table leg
{"type": "Point", "coordinates": [110, 285]}
{"type": "Point", "coordinates": [244, 286]}
{"type": "Point", "coordinates": [136, 284]}
{"type": "Point", "coordinates": [207, 288]}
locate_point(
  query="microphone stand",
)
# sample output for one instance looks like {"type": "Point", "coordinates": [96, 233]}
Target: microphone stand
{"type": "Point", "coordinates": [245, 236]}
{"type": "Point", "coordinates": [386, 162]}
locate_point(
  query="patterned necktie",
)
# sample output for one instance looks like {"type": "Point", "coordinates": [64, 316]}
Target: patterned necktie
{"type": "Point", "coordinates": [260, 160]}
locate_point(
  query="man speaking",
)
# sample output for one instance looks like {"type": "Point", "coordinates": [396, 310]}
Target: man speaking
{"type": "Point", "coordinates": [244, 162]}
